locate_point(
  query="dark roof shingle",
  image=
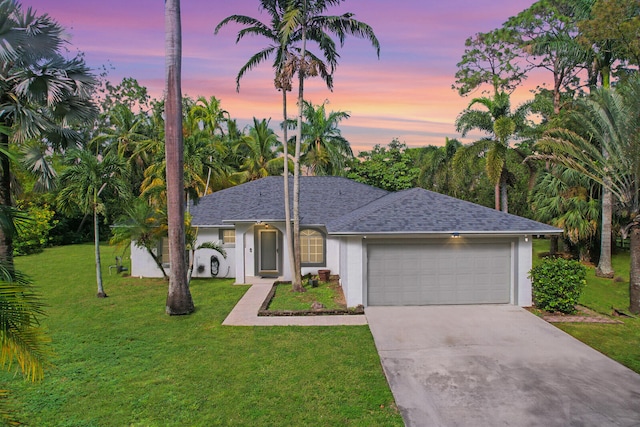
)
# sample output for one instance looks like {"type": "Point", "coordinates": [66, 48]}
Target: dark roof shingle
{"type": "Point", "coordinates": [421, 211]}
{"type": "Point", "coordinates": [345, 206]}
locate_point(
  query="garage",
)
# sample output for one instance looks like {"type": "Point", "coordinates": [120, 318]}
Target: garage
{"type": "Point", "coordinates": [447, 271]}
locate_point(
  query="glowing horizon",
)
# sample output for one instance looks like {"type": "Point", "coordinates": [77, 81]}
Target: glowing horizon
{"type": "Point", "coordinates": [406, 94]}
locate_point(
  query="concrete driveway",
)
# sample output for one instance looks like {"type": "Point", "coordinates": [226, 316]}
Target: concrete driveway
{"type": "Point", "coordinates": [497, 365]}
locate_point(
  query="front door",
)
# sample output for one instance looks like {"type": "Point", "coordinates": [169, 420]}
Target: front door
{"type": "Point", "coordinates": [268, 260]}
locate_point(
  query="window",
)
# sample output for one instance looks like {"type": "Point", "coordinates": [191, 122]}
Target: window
{"type": "Point", "coordinates": [311, 247]}
{"type": "Point", "coordinates": [228, 237]}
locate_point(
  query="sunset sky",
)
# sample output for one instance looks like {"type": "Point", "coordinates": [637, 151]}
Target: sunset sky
{"type": "Point", "coordinates": [405, 94]}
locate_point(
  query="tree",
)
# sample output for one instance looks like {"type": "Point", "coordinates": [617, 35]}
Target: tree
{"type": "Point", "coordinates": [82, 185]}
{"type": "Point", "coordinates": [391, 168]}
{"type": "Point", "coordinates": [42, 94]}
{"type": "Point", "coordinates": [607, 150]}
{"type": "Point", "coordinates": [23, 340]}
{"type": "Point", "coordinates": [284, 68]}
{"type": "Point", "coordinates": [143, 224]}
{"type": "Point", "coordinates": [566, 199]}
{"type": "Point", "coordinates": [179, 299]}
{"type": "Point", "coordinates": [497, 120]}
{"type": "Point", "coordinates": [324, 151]}
{"type": "Point", "coordinates": [489, 59]}
{"type": "Point", "coordinates": [258, 150]}
{"type": "Point", "coordinates": [304, 21]}
{"type": "Point", "coordinates": [600, 33]}
{"type": "Point", "coordinates": [436, 172]}
{"type": "Point", "coordinates": [546, 36]}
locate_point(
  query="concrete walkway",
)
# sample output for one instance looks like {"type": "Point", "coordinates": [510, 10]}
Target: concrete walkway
{"type": "Point", "coordinates": [245, 313]}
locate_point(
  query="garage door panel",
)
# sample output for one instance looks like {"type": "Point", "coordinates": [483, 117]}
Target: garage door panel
{"type": "Point", "coordinates": [438, 273]}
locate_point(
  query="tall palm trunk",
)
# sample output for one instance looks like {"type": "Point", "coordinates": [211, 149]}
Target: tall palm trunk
{"type": "Point", "coordinates": [634, 269]}
{"type": "Point", "coordinates": [503, 196]}
{"type": "Point", "coordinates": [179, 297]}
{"type": "Point", "coordinates": [296, 280]}
{"type": "Point", "coordinates": [605, 268]}
{"type": "Point", "coordinates": [96, 242]}
{"type": "Point", "coordinates": [6, 240]}
{"type": "Point", "coordinates": [287, 207]}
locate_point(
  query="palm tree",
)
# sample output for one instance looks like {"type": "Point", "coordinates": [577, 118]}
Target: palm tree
{"type": "Point", "coordinates": [284, 69]}
{"type": "Point", "coordinates": [144, 225]}
{"type": "Point", "coordinates": [179, 299]}
{"type": "Point", "coordinates": [325, 151]}
{"type": "Point", "coordinates": [566, 199]}
{"type": "Point", "coordinates": [42, 94]}
{"type": "Point", "coordinates": [126, 134]}
{"type": "Point", "coordinates": [83, 182]}
{"type": "Point", "coordinates": [501, 125]}
{"type": "Point", "coordinates": [607, 150]}
{"type": "Point", "coordinates": [304, 21]}
{"type": "Point", "coordinates": [436, 172]}
{"type": "Point", "coordinates": [259, 149]}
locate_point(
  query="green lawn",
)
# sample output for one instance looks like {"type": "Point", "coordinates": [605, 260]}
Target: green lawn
{"type": "Point", "coordinates": [620, 342]}
{"type": "Point", "coordinates": [324, 293]}
{"type": "Point", "coordinates": [121, 361]}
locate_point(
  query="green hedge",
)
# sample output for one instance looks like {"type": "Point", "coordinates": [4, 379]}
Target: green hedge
{"type": "Point", "coordinates": [557, 284]}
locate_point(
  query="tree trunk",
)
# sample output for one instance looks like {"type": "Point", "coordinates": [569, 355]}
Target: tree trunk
{"type": "Point", "coordinates": [604, 264]}
{"type": "Point", "coordinates": [634, 270]}
{"type": "Point", "coordinates": [287, 207]}
{"type": "Point", "coordinates": [96, 242]}
{"type": "Point", "coordinates": [158, 263]}
{"type": "Point", "coordinates": [503, 197]}
{"type": "Point", "coordinates": [296, 280]}
{"type": "Point", "coordinates": [6, 240]}
{"type": "Point", "coordinates": [179, 297]}
{"type": "Point", "coordinates": [553, 245]}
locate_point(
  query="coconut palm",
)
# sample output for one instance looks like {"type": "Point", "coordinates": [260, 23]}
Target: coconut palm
{"type": "Point", "coordinates": [305, 21]}
{"type": "Point", "coordinates": [436, 173]}
{"type": "Point", "coordinates": [258, 149]}
{"type": "Point", "coordinates": [179, 299]}
{"type": "Point", "coordinates": [607, 150]}
{"type": "Point", "coordinates": [42, 94]}
{"type": "Point", "coordinates": [82, 185]}
{"type": "Point", "coordinates": [285, 65]}
{"type": "Point", "coordinates": [496, 120]}
{"type": "Point", "coordinates": [324, 150]}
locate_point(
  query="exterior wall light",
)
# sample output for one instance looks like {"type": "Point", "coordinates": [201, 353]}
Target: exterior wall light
{"type": "Point", "coordinates": [455, 235]}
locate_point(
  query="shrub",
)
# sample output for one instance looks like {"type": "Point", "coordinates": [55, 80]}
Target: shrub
{"type": "Point", "coordinates": [557, 284]}
{"type": "Point", "coordinates": [33, 236]}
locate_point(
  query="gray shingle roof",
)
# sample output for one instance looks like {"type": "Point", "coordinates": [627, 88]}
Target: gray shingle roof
{"type": "Point", "coordinates": [322, 199]}
{"type": "Point", "coordinates": [420, 211]}
{"type": "Point", "coordinates": [348, 207]}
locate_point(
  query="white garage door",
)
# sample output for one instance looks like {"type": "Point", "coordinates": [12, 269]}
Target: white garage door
{"type": "Point", "coordinates": [454, 271]}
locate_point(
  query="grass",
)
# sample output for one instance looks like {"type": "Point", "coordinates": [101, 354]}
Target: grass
{"type": "Point", "coordinates": [620, 342]}
{"type": "Point", "coordinates": [328, 294]}
{"type": "Point", "coordinates": [122, 361]}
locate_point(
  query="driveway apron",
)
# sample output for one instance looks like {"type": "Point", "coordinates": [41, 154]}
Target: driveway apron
{"type": "Point", "coordinates": [497, 365]}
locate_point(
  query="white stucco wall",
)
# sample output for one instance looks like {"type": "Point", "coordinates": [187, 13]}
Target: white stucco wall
{"type": "Point", "coordinates": [354, 262]}
{"type": "Point", "coordinates": [524, 262]}
{"type": "Point", "coordinates": [202, 258]}
{"type": "Point", "coordinates": [143, 265]}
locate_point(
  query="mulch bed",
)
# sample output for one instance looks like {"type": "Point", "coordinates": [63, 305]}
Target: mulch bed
{"type": "Point", "coordinates": [584, 315]}
{"type": "Point", "coordinates": [264, 308]}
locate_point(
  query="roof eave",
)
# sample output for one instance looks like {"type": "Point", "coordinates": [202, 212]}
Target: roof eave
{"type": "Point", "coordinates": [447, 233]}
